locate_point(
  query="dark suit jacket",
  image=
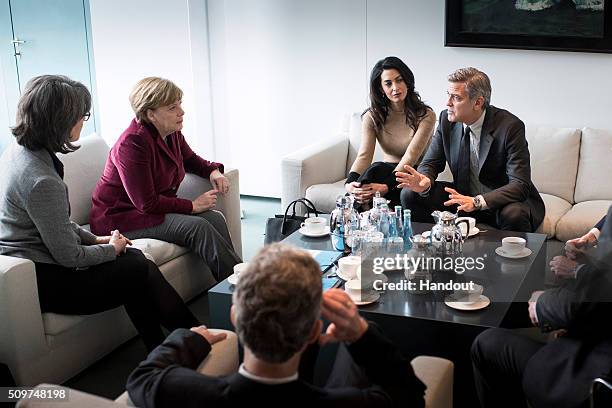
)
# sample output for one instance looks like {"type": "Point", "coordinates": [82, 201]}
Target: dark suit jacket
{"type": "Point", "coordinates": [140, 180]}
{"type": "Point", "coordinates": [504, 165]}
{"type": "Point", "coordinates": [561, 372]}
{"type": "Point", "coordinates": [167, 379]}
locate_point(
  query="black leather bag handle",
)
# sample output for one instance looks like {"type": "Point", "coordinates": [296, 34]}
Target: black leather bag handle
{"type": "Point", "coordinates": [292, 205]}
{"type": "Point", "coordinates": [308, 204]}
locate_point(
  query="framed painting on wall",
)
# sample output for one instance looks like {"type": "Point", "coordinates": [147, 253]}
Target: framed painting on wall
{"type": "Point", "coordinates": [559, 25]}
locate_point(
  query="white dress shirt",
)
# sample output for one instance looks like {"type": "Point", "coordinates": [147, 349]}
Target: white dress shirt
{"type": "Point", "coordinates": [264, 380]}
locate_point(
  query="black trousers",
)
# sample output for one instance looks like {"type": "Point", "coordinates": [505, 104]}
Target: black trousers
{"type": "Point", "coordinates": [382, 173]}
{"type": "Point", "coordinates": [512, 217]}
{"type": "Point", "coordinates": [6, 380]}
{"type": "Point", "coordinates": [499, 358]}
{"type": "Point", "coordinates": [130, 280]}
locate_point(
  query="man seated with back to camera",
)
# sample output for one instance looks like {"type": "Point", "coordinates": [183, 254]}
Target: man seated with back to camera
{"type": "Point", "coordinates": [511, 369]}
{"type": "Point", "coordinates": [486, 150]}
{"type": "Point", "coordinates": [277, 308]}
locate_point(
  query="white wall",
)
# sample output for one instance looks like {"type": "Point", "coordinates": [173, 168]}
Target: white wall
{"type": "Point", "coordinates": [264, 78]}
{"type": "Point", "coordinates": [285, 71]}
{"type": "Point", "coordinates": [541, 87]}
{"type": "Point", "coordinates": [128, 48]}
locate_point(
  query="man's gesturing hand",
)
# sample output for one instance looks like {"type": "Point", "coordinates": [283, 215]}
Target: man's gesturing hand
{"type": "Point", "coordinates": [465, 203]}
{"type": "Point", "coordinates": [412, 179]}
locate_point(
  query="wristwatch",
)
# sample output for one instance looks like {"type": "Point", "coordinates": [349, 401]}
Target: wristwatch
{"type": "Point", "coordinates": [478, 202]}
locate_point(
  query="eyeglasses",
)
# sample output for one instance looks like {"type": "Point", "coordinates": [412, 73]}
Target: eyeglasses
{"type": "Point", "coordinates": [86, 116]}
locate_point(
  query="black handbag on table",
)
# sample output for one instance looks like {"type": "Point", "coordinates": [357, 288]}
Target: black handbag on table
{"type": "Point", "coordinates": [282, 225]}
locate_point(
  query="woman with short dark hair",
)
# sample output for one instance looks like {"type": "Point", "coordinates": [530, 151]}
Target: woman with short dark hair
{"type": "Point", "coordinates": [400, 122]}
{"type": "Point", "coordinates": [77, 272]}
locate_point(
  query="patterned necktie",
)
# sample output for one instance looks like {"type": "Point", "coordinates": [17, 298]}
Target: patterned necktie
{"type": "Point", "coordinates": [463, 169]}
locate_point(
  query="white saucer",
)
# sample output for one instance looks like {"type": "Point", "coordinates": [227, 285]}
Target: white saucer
{"type": "Point", "coordinates": [473, 231]}
{"type": "Point", "coordinates": [373, 297]}
{"type": "Point", "coordinates": [479, 304]}
{"type": "Point", "coordinates": [232, 279]}
{"type": "Point", "coordinates": [341, 275]}
{"type": "Point", "coordinates": [311, 235]}
{"type": "Point", "coordinates": [525, 252]}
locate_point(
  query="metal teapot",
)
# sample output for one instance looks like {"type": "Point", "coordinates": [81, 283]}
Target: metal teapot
{"type": "Point", "coordinates": [446, 234]}
{"type": "Point", "coordinates": [343, 221]}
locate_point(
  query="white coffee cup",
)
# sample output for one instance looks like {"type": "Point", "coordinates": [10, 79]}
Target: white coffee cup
{"type": "Point", "coordinates": [350, 267]}
{"type": "Point", "coordinates": [315, 225]}
{"type": "Point", "coordinates": [239, 268]}
{"type": "Point", "coordinates": [471, 295]}
{"type": "Point", "coordinates": [513, 245]}
{"type": "Point", "coordinates": [357, 289]}
{"type": "Point", "coordinates": [471, 221]}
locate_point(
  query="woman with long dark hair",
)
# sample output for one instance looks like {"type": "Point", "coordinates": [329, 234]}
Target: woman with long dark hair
{"type": "Point", "coordinates": [401, 123]}
{"type": "Point", "coordinates": [77, 272]}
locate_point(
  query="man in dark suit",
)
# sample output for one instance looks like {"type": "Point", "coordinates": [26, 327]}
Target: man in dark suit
{"type": "Point", "coordinates": [510, 368]}
{"type": "Point", "coordinates": [487, 153]}
{"type": "Point", "coordinates": [277, 305]}
{"type": "Point", "coordinates": [567, 266]}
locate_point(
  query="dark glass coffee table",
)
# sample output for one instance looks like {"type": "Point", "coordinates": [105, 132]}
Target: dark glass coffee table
{"type": "Point", "coordinates": [423, 323]}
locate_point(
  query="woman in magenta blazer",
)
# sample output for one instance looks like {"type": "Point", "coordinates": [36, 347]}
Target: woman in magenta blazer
{"type": "Point", "coordinates": [137, 191]}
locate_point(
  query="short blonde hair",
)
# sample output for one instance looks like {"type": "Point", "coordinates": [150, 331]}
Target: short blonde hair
{"type": "Point", "coordinates": [151, 93]}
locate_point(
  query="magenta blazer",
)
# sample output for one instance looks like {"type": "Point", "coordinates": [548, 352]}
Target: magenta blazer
{"type": "Point", "coordinates": [140, 180]}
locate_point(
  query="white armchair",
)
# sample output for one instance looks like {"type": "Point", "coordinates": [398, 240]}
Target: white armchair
{"type": "Point", "coordinates": [221, 361]}
{"type": "Point", "coordinates": [52, 347]}
{"type": "Point", "coordinates": [436, 373]}
{"type": "Point", "coordinates": [318, 172]}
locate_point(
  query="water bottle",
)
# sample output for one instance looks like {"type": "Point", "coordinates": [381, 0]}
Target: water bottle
{"type": "Point", "coordinates": [383, 224]}
{"type": "Point", "coordinates": [398, 219]}
{"type": "Point", "coordinates": [393, 232]}
{"type": "Point", "coordinates": [398, 211]}
{"type": "Point", "coordinates": [407, 230]}
{"type": "Point", "coordinates": [395, 242]}
{"type": "Point", "coordinates": [375, 212]}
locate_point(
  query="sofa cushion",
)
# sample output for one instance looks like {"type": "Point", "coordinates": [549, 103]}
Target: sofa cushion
{"type": "Point", "coordinates": [82, 170]}
{"type": "Point", "coordinates": [595, 167]}
{"type": "Point", "coordinates": [437, 375]}
{"type": "Point", "coordinates": [58, 323]}
{"type": "Point", "coordinates": [555, 209]}
{"type": "Point", "coordinates": [554, 160]}
{"type": "Point", "coordinates": [581, 218]}
{"type": "Point", "coordinates": [160, 251]}
{"type": "Point", "coordinates": [323, 196]}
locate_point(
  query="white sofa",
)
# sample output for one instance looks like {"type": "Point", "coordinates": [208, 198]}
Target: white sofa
{"type": "Point", "coordinates": [570, 167]}
{"type": "Point", "coordinates": [435, 372]}
{"type": "Point", "coordinates": [221, 361]}
{"type": "Point", "coordinates": [51, 347]}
